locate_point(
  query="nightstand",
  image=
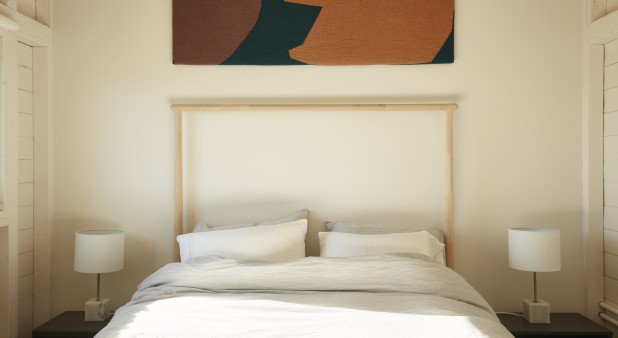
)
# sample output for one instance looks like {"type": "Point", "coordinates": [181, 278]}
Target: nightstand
{"type": "Point", "coordinates": [69, 324]}
{"type": "Point", "coordinates": [562, 325]}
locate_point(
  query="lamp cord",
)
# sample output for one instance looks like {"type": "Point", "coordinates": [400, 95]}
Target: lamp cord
{"type": "Point", "coordinates": [510, 313]}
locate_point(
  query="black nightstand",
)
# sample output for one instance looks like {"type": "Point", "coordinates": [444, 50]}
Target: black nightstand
{"type": "Point", "coordinates": [562, 325]}
{"type": "Point", "coordinates": [69, 324]}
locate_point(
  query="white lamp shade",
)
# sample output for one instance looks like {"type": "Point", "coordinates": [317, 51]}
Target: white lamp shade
{"type": "Point", "coordinates": [99, 251]}
{"type": "Point", "coordinates": [534, 249]}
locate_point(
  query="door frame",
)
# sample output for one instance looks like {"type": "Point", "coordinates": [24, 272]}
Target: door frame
{"type": "Point", "coordinates": [596, 35]}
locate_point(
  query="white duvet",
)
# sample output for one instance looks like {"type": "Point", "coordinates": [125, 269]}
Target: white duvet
{"type": "Point", "coordinates": [375, 296]}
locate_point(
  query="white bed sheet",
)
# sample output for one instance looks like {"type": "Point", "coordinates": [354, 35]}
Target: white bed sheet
{"type": "Point", "coordinates": [375, 296]}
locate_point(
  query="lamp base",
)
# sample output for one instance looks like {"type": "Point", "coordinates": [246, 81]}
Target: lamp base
{"type": "Point", "coordinates": [536, 312]}
{"type": "Point", "coordinates": [97, 310]}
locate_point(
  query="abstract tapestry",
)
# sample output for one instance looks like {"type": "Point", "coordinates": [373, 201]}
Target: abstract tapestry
{"type": "Point", "coordinates": [312, 32]}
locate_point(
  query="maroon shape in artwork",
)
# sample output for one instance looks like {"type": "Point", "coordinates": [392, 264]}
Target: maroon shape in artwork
{"type": "Point", "coordinates": [208, 32]}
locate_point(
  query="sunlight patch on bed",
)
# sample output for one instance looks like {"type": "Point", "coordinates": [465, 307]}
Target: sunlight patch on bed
{"type": "Point", "coordinates": [247, 315]}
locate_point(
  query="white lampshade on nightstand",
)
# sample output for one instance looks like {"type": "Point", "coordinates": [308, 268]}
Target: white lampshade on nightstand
{"type": "Point", "coordinates": [536, 250]}
{"type": "Point", "coordinates": [98, 251]}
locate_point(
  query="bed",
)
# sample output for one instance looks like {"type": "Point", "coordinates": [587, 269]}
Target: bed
{"type": "Point", "coordinates": [256, 279]}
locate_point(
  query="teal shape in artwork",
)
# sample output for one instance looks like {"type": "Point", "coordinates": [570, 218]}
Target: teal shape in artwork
{"type": "Point", "coordinates": [281, 26]}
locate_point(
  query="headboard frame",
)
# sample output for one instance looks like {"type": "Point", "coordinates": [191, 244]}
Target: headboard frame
{"type": "Point", "coordinates": [447, 108]}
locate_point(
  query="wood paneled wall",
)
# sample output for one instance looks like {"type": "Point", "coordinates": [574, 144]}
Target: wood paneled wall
{"type": "Point", "coordinates": [610, 179]}
{"type": "Point", "coordinates": [39, 10]}
{"type": "Point", "coordinates": [601, 8]}
{"type": "Point", "coordinates": [26, 189]}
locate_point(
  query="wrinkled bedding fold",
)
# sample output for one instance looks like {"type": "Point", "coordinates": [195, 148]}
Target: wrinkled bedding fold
{"type": "Point", "coordinates": [314, 296]}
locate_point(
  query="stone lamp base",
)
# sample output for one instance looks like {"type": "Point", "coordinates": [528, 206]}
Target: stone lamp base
{"type": "Point", "coordinates": [536, 312]}
{"type": "Point", "coordinates": [97, 310]}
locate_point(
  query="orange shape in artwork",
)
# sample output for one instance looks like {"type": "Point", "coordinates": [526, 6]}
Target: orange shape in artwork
{"type": "Point", "coordinates": [366, 32]}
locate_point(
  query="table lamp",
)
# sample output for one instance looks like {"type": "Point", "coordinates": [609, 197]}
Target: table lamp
{"type": "Point", "coordinates": [98, 251]}
{"type": "Point", "coordinates": [536, 250]}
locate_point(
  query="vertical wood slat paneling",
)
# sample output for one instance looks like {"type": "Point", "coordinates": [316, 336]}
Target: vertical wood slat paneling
{"type": "Point", "coordinates": [611, 53]}
{"type": "Point", "coordinates": [42, 215]}
{"type": "Point", "coordinates": [26, 217]}
{"type": "Point", "coordinates": [610, 149]}
{"type": "Point", "coordinates": [610, 218]}
{"type": "Point", "coordinates": [27, 8]}
{"type": "Point", "coordinates": [4, 282]}
{"type": "Point", "coordinates": [25, 125]}
{"type": "Point", "coordinates": [24, 327]}
{"type": "Point", "coordinates": [43, 12]}
{"type": "Point", "coordinates": [596, 12]}
{"type": "Point", "coordinates": [26, 175]}
{"type": "Point", "coordinates": [25, 265]}
{"type": "Point", "coordinates": [26, 171]}
{"type": "Point", "coordinates": [611, 289]}
{"type": "Point", "coordinates": [610, 242]}
{"type": "Point", "coordinates": [24, 287]}
{"type": "Point", "coordinates": [24, 102]}
{"type": "Point", "coordinates": [610, 177]}
{"type": "Point", "coordinates": [610, 123]}
{"type": "Point", "coordinates": [24, 79]}
{"type": "Point", "coordinates": [610, 98]}
{"type": "Point", "coordinates": [611, 194]}
{"type": "Point", "coordinates": [25, 194]}
{"type": "Point", "coordinates": [26, 148]}
{"type": "Point", "coordinates": [24, 53]}
{"type": "Point", "coordinates": [610, 169]}
{"type": "Point", "coordinates": [611, 265]}
{"type": "Point", "coordinates": [25, 240]}
{"type": "Point", "coordinates": [610, 80]}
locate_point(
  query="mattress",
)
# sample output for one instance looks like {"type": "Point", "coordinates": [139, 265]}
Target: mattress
{"type": "Point", "coordinates": [371, 296]}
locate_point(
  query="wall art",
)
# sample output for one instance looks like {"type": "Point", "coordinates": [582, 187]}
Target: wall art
{"type": "Point", "coordinates": [313, 32]}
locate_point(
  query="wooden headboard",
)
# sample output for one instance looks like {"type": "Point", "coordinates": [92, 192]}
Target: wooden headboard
{"type": "Point", "coordinates": [446, 109]}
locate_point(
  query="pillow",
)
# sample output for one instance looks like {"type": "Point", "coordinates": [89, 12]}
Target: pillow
{"type": "Point", "coordinates": [340, 244]}
{"type": "Point", "coordinates": [358, 228]}
{"type": "Point", "coordinates": [271, 243]}
{"type": "Point", "coordinates": [295, 216]}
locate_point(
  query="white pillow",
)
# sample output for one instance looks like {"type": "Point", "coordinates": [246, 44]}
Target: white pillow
{"type": "Point", "coordinates": [341, 244]}
{"type": "Point", "coordinates": [269, 243]}
{"type": "Point", "coordinates": [295, 216]}
{"type": "Point", "coordinates": [363, 228]}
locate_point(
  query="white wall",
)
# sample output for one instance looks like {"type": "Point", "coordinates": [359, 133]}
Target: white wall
{"type": "Point", "coordinates": [518, 159]}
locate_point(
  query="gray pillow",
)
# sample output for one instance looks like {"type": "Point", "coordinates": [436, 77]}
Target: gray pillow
{"type": "Point", "coordinates": [359, 228]}
{"type": "Point", "coordinates": [295, 216]}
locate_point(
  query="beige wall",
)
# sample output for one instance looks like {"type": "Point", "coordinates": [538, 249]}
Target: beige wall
{"type": "Point", "coordinates": [518, 133]}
